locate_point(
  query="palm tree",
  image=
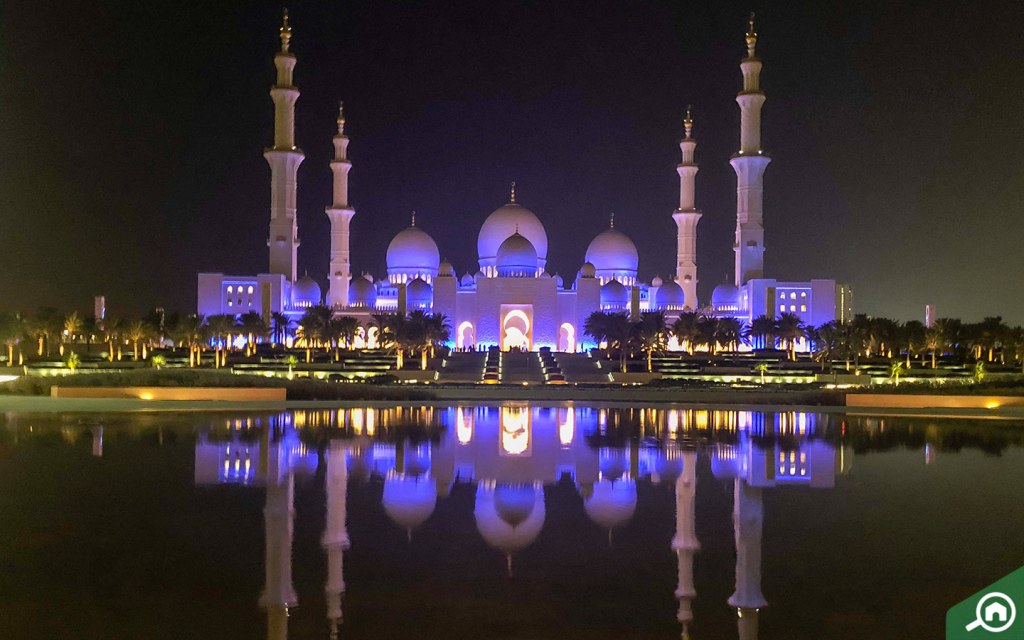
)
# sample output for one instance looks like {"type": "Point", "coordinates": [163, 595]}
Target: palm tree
{"type": "Point", "coordinates": [763, 330]}
{"type": "Point", "coordinates": [280, 323]}
{"type": "Point", "coordinates": [990, 334]}
{"type": "Point", "coordinates": [913, 337]}
{"type": "Point", "coordinates": [136, 332]}
{"type": "Point", "coordinates": [619, 330]}
{"type": "Point", "coordinates": [221, 326]}
{"type": "Point", "coordinates": [342, 330]}
{"type": "Point", "coordinates": [934, 341]}
{"type": "Point", "coordinates": [762, 368]}
{"type": "Point", "coordinates": [705, 333]}
{"type": "Point", "coordinates": [791, 329]}
{"type": "Point", "coordinates": [112, 336]}
{"type": "Point", "coordinates": [90, 329]}
{"type": "Point", "coordinates": [72, 327]}
{"type": "Point", "coordinates": [827, 342]}
{"type": "Point", "coordinates": [45, 324]}
{"type": "Point", "coordinates": [73, 361]}
{"type": "Point", "coordinates": [596, 326]}
{"type": "Point", "coordinates": [159, 361]}
{"type": "Point", "coordinates": [728, 333]}
{"type": "Point", "coordinates": [188, 332]}
{"type": "Point", "coordinates": [951, 330]}
{"type": "Point", "coordinates": [896, 369]}
{"type": "Point", "coordinates": [389, 326]}
{"type": "Point", "coordinates": [651, 335]}
{"type": "Point", "coordinates": [253, 327]}
{"type": "Point", "coordinates": [439, 331]}
{"type": "Point", "coordinates": [313, 329]}
{"type": "Point", "coordinates": [11, 329]}
{"type": "Point", "coordinates": [685, 329]}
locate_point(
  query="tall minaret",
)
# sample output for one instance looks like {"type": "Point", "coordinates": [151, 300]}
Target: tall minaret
{"type": "Point", "coordinates": [284, 159]}
{"type": "Point", "coordinates": [687, 216]}
{"type": "Point", "coordinates": [749, 164]}
{"type": "Point", "coordinates": [335, 539]}
{"type": "Point", "coordinates": [340, 214]}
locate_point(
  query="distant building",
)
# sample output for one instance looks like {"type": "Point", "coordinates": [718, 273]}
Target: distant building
{"type": "Point", "coordinates": [510, 300]}
{"type": "Point", "coordinates": [929, 315]}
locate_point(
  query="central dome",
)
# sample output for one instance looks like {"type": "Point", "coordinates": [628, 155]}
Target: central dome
{"type": "Point", "coordinates": [504, 222]}
{"type": "Point", "coordinates": [413, 252]}
{"type": "Point", "coordinates": [612, 253]}
{"type": "Point", "coordinates": [516, 257]}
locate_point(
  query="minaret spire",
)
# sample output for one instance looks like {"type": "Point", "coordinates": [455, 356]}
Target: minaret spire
{"type": "Point", "coordinates": [512, 195]}
{"type": "Point", "coordinates": [749, 163]}
{"type": "Point", "coordinates": [687, 216]}
{"type": "Point", "coordinates": [611, 221]}
{"type": "Point", "coordinates": [340, 214]}
{"type": "Point", "coordinates": [413, 223]}
{"type": "Point", "coordinates": [284, 159]}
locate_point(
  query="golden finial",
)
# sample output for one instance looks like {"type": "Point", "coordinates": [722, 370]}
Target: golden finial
{"type": "Point", "coordinates": [611, 221]}
{"type": "Point", "coordinates": [688, 122]}
{"type": "Point", "coordinates": [751, 36]}
{"type": "Point", "coordinates": [512, 196]}
{"type": "Point", "coordinates": [286, 32]}
{"type": "Point", "coordinates": [413, 219]}
{"type": "Point", "coordinates": [341, 117]}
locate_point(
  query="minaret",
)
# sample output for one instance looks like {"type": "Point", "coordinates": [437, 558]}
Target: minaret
{"type": "Point", "coordinates": [335, 539]}
{"type": "Point", "coordinates": [685, 542]}
{"type": "Point", "coordinates": [284, 159]}
{"type": "Point", "coordinates": [340, 214]}
{"type": "Point", "coordinates": [749, 164]}
{"type": "Point", "coordinates": [748, 522]}
{"type": "Point", "coordinates": [687, 216]}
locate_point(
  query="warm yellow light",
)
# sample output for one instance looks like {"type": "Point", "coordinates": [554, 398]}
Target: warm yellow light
{"type": "Point", "coordinates": [145, 396]}
{"type": "Point", "coordinates": [567, 430]}
{"type": "Point", "coordinates": [515, 430]}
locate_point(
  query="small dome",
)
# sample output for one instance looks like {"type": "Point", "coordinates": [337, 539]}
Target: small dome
{"type": "Point", "coordinates": [725, 295]}
{"type": "Point", "coordinates": [362, 293]}
{"type": "Point", "coordinates": [514, 503]}
{"type": "Point", "coordinates": [516, 257]}
{"type": "Point", "coordinates": [498, 532]}
{"type": "Point", "coordinates": [419, 294]}
{"type": "Point", "coordinates": [445, 269]}
{"type": "Point", "coordinates": [613, 252]}
{"type": "Point", "coordinates": [409, 501]}
{"type": "Point", "coordinates": [667, 469]}
{"type": "Point", "coordinates": [612, 504]}
{"type": "Point", "coordinates": [670, 296]}
{"type": "Point", "coordinates": [498, 226]}
{"type": "Point", "coordinates": [657, 282]}
{"type": "Point", "coordinates": [368, 277]}
{"type": "Point", "coordinates": [558, 281]}
{"type": "Point", "coordinates": [467, 280]}
{"type": "Point", "coordinates": [413, 251]}
{"type": "Point", "coordinates": [306, 292]}
{"type": "Point", "coordinates": [613, 294]}
{"type": "Point", "coordinates": [724, 464]}
{"type": "Point", "coordinates": [588, 270]}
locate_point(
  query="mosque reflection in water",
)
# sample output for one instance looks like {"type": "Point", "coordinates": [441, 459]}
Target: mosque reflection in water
{"type": "Point", "coordinates": [510, 453]}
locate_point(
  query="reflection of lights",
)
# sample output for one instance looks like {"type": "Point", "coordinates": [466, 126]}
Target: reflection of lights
{"type": "Point", "coordinates": [567, 429]}
{"type": "Point", "coordinates": [701, 420]}
{"type": "Point", "coordinates": [463, 426]}
{"type": "Point", "coordinates": [673, 422]}
{"type": "Point", "coordinates": [357, 421]}
{"type": "Point", "coordinates": [371, 421]}
{"type": "Point", "coordinates": [515, 430]}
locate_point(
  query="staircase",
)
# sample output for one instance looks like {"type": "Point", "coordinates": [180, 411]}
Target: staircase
{"type": "Point", "coordinates": [520, 368]}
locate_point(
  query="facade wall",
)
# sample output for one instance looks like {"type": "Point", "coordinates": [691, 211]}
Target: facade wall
{"type": "Point", "coordinates": [540, 293]}
{"type": "Point", "coordinates": [267, 290]}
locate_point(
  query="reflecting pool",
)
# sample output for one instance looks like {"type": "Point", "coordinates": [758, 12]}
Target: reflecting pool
{"type": "Point", "coordinates": [511, 521]}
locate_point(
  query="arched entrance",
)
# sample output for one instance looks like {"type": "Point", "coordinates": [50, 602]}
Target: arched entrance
{"type": "Point", "coordinates": [516, 329]}
{"type": "Point", "coordinates": [567, 337]}
{"type": "Point", "coordinates": [466, 336]}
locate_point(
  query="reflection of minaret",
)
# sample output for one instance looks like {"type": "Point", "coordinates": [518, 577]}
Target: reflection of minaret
{"type": "Point", "coordinates": [335, 539]}
{"type": "Point", "coordinates": [748, 520]}
{"type": "Point", "coordinates": [278, 593]}
{"type": "Point", "coordinates": [685, 542]}
{"type": "Point", "coordinates": [97, 442]}
{"type": "Point", "coordinates": [749, 163]}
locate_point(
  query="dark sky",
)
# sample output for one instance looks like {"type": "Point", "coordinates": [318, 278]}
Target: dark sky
{"type": "Point", "coordinates": [132, 134]}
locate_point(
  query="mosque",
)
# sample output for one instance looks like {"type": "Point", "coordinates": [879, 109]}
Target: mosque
{"type": "Point", "coordinates": [510, 300]}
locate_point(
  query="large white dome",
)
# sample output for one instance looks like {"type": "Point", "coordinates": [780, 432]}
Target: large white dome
{"type": "Point", "coordinates": [413, 251]}
{"type": "Point", "coordinates": [504, 222]}
{"type": "Point", "coordinates": [613, 251]}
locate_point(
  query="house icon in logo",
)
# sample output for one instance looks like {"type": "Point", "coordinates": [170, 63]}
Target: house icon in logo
{"type": "Point", "coordinates": [996, 612]}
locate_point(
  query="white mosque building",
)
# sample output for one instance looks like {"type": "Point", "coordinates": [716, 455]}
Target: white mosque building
{"type": "Point", "coordinates": [510, 300]}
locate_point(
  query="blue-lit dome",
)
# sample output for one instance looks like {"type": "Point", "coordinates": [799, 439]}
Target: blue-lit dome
{"type": "Point", "coordinates": [409, 501]}
{"type": "Point", "coordinates": [499, 533]}
{"type": "Point", "coordinates": [512, 218]}
{"type": "Point", "coordinates": [419, 294]}
{"type": "Point", "coordinates": [362, 293]}
{"type": "Point", "coordinates": [612, 252]}
{"type": "Point", "coordinates": [413, 251]}
{"type": "Point", "coordinates": [613, 294]}
{"type": "Point", "coordinates": [306, 292]}
{"type": "Point", "coordinates": [516, 257]}
{"type": "Point", "coordinates": [514, 503]}
{"type": "Point", "coordinates": [725, 295]}
{"type": "Point", "coordinates": [670, 296]}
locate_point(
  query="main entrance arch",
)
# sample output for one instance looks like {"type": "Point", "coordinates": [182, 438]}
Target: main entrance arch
{"type": "Point", "coordinates": [516, 327]}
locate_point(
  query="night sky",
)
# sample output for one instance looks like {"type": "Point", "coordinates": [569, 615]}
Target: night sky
{"type": "Point", "coordinates": [132, 137]}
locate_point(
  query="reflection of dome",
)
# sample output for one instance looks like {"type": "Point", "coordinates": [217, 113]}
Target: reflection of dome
{"type": "Point", "coordinates": [419, 294]}
{"type": "Point", "coordinates": [723, 462]}
{"type": "Point", "coordinates": [514, 504]}
{"type": "Point", "coordinates": [612, 503]}
{"type": "Point", "coordinates": [413, 251]}
{"type": "Point", "coordinates": [725, 295]}
{"type": "Point", "coordinates": [409, 501]}
{"type": "Point", "coordinates": [306, 292]}
{"type": "Point", "coordinates": [668, 469]}
{"type": "Point", "coordinates": [446, 269]}
{"type": "Point", "coordinates": [516, 257]}
{"type": "Point", "coordinates": [498, 532]}
{"type": "Point", "coordinates": [670, 296]}
{"type": "Point", "coordinates": [613, 294]}
{"type": "Point", "coordinates": [587, 270]}
{"type": "Point", "coordinates": [613, 251]}
{"type": "Point", "coordinates": [504, 222]}
{"type": "Point", "coordinates": [361, 293]}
